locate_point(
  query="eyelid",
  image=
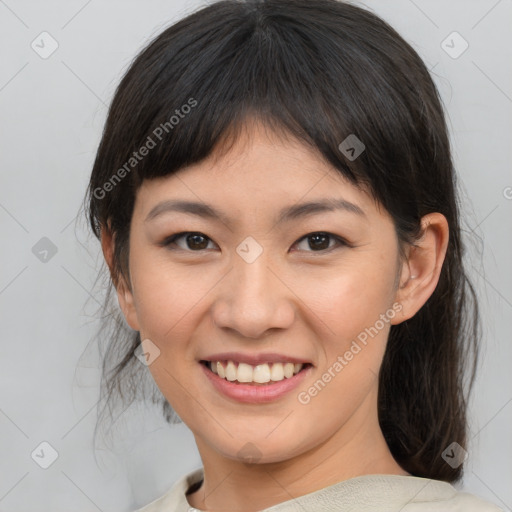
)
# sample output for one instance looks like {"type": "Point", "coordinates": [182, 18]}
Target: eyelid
{"type": "Point", "coordinates": [167, 241]}
{"type": "Point", "coordinates": [341, 242]}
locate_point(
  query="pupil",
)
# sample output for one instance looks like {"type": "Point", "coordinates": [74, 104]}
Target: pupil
{"type": "Point", "coordinates": [320, 245]}
{"type": "Point", "coordinates": [195, 239]}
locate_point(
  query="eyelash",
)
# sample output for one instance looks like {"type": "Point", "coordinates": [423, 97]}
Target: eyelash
{"type": "Point", "coordinates": [172, 239]}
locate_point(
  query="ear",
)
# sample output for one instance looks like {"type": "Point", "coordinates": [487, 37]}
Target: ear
{"type": "Point", "coordinates": [123, 289]}
{"type": "Point", "coordinates": [420, 272]}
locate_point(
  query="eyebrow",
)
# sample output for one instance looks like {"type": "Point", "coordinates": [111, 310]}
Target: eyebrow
{"type": "Point", "coordinates": [286, 214]}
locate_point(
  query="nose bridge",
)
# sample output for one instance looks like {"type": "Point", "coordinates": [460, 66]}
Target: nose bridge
{"type": "Point", "coordinates": [253, 300]}
{"type": "Point", "coordinates": [252, 277]}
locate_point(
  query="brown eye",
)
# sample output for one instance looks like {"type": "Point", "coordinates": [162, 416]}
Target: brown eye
{"type": "Point", "coordinates": [320, 241]}
{"type": "Point", "coordinates": [194, 242]}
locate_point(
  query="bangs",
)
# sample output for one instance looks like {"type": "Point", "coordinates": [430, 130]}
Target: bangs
{"type": "Point", "coordinates": [191, 94]}
{"type": "Point", "coordinates": [337, 78]}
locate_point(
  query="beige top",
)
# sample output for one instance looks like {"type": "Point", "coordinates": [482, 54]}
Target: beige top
{"type": "Point", "coordinates": [368, 493]}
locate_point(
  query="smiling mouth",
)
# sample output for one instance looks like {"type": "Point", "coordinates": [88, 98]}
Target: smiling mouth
{"type": "Point", "coordinates": [260, 375]}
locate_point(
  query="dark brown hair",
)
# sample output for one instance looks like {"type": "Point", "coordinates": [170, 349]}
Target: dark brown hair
{"type": "Point", "coordinates": [319, 70]}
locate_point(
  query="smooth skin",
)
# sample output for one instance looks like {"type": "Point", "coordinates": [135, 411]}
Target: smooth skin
{"type": "Point", "coordinates": [199, 297]}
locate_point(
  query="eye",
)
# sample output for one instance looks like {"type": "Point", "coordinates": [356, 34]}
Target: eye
{"type": "Point", "coordinates": [319, 241]}
{"type": "Point", "coordinates": [194, 241]}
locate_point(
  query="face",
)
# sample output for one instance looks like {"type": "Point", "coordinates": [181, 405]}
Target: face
{"type": "Point", "coordinates": [316, 286]}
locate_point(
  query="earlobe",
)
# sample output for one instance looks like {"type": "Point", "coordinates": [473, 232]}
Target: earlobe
{"type": "Point", "coordinates": [124, 293]}
{"type": "Point", "coordinates": [420, 273]}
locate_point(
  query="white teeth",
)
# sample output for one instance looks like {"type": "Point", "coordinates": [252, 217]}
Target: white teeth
{"type": "Point", "coordinates": [260, 374]}
{"type": "Point", "coordinates": [277, 372]}
{"type": "Point", "coordinates": [231, 371]}
{"type": "Point", "coordinates": [244, 373]}
{"type": "Point", "coordinates": [220, 369]}
{"type": "Point", "coordinates": [288, 370]}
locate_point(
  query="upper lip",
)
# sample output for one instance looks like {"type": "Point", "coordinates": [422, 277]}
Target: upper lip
{"type": "Point", "coordinates": [255, 359]}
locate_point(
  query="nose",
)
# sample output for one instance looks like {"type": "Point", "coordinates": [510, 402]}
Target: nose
{"type": "Point", "coordinates": [253, 299]}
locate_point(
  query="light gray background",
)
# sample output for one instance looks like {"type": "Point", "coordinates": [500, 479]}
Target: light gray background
{"type": "Point", "coordinates": [52, 115]}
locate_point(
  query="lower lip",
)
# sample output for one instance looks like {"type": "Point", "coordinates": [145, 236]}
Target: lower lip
{"type": "Point", "coordinates": [256, 394]}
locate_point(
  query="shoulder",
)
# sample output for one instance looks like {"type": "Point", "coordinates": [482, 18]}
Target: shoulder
{"type": "Point", "coordinates": [369, 493]}
{"type": "Point", "coordinates": [436, 495]}
{"type": "Point", "coordinates": [392, 493]}
{"type": "Point", "coordinates": [459, 502]}
{"type": "Point", "coordinates": [174, 500]}
{"type": "Point", "coordinates": [465, 501]}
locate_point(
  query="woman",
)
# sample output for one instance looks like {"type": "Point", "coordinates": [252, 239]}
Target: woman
{"type": "Point", "coordinates": [276, 202]}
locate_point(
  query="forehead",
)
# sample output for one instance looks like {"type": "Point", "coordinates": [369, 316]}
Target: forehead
{"type": "Point", "coordinates": [259, 170]}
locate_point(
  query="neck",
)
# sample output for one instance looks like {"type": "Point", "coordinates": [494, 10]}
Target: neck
{"type": "Point", "coordinates": [357, 449]}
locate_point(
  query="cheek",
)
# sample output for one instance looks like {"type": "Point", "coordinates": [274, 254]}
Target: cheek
{"type": "Point", "coordinates": [348, 299]}
{"type": "Point", "coordinates": [166, 296]}
{"type": "Point", "coordinates": [166, 301]}
{"type": "Point", "coordinates": [347, 308]}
